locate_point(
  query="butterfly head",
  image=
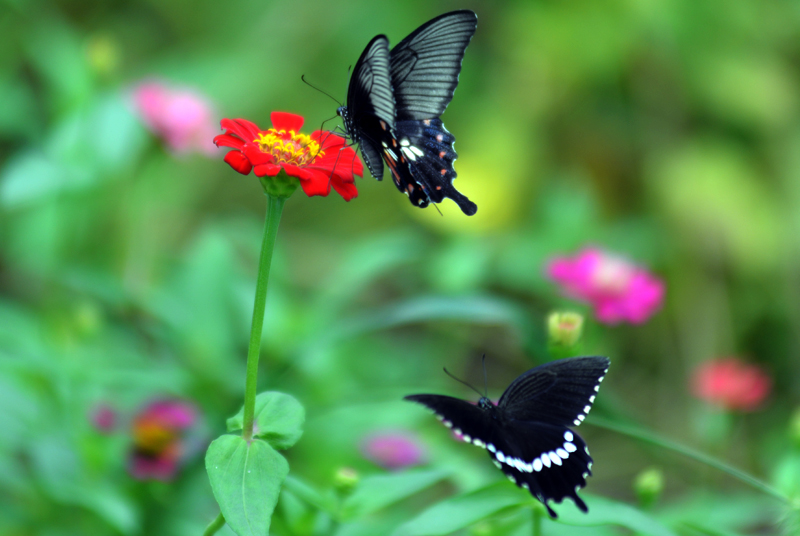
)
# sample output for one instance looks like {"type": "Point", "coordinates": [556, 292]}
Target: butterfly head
{"type": "Point", "coordinates": [341, 111]}
{"type": "Point", "coordinates": [485, 403]}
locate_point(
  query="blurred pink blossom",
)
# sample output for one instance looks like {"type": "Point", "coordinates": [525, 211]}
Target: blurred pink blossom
{"type": "Point", "coordinates": [618, 290]}
{"type": "Point", "coordinates": [104, 418]}
{"type": "Point", "coordinates": [158, 432]}
{"type": "Point", "coordinates": [731, 384]}
{"type": "Point", "coordinates": [392, 450]}
{"type": "Point", "coordinates": [182, 117]}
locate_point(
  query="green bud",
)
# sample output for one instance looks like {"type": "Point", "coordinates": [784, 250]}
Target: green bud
{"type": "Point", "coordinates": [648, 485]}
{"type": "Point", "coordinates": [345, 480]}
{"type": "Point", "coordinates": [564, 328]}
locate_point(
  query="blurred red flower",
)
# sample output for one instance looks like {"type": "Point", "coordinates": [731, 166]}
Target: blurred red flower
{"type": "Point", "coordinates": [319, 161]}
{"type": "Point", "coordinates": [618, 290]}
{"type": "Point", "coordinates": [158, 438]}
{"type": "Point", "coordinates": [392, 450]}
{"type": "Point", "coordinates": [731, 384]}
{"type": "Point", "coordinates": [104, 418]}
{"type": "Point", "coordinates": [182, 117]}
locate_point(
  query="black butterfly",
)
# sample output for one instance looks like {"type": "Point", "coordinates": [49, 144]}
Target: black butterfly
{"type": "Point", "coordinates": [394, 101]}
{"type": "Point", "coordinates": [527, 433]}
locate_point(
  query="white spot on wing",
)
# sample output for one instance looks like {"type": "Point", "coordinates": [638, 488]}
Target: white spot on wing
{"type": "Point", "coordinates": [569, 447]}
{"type": "Point", "coordinates": [554, 458]}
{"type": "Point", "coordinates": [545, 459]}
{"type": "Point", "coordinates": [491, 447]}
{"type": "Point", "coordinates": [416, 151]}
{"type": "Point", "coordinates": [537, 465]}
{"type": "Point", "coordinates": [563, 454]}
{"type": "Point", "coordinates": [467, 438]}
{"type": "Point", "coordinates": [568, 435]}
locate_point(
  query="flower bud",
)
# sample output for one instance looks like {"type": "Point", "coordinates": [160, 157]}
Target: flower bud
{"type": "Point", "coordinates": [345, 480]}
{"type": "Point", "coordinates": [648, 486]}
{"type": "Point", "coordinates": [564, 328]}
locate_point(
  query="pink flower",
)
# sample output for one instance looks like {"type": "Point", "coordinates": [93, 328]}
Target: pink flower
{"type": "Point", "coordinates": [618, 290]}
{"type": "Point", "coordinates": [731, 384]}
{"type": "Point", "coordinates": [104, 418]}
{"type": "Point", "coordinates": [158, 439]}
{"type": "Point", "coordinates": [183, 118]}
{"type": "Point", "coordinates": [392, 450]}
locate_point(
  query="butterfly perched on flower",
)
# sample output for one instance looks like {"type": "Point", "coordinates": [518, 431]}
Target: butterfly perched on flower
{"type": "Point", "coordinates": [527, 433]}
{"type": "Point", "coordinates": [394, 101]}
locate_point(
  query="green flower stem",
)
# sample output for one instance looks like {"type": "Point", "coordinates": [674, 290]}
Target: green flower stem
{"type": "Point", "coordinates": [653, 439]}
{"type": "Point", "coordinates": [537, 520]}
{"type": "Point", "coordinates": [274, 210]}
{"type": "Point", "coordinates": [214, 526]}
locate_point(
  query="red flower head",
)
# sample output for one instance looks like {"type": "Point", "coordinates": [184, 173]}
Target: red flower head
{"type": "Point", "coordinates": [158, 438]}
{"type": "Point", "coordinates": [392, 450]}
{"type": "Point", "coordinates": [731, 384]}
{"type": "Point", "coordinates": [319, 161]}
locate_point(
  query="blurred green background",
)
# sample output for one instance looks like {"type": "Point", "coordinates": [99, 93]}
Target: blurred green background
{"type": "Point", "coordinates": [666, 131]}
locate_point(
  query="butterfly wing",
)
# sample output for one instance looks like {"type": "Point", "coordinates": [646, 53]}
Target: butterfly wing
{"type": "Point", "coordinates": [426, 64]}
{"type": "Point", "coordinates": [559, 392]}
{"type": "Point", "coordinates": [550, 461]}
{"type": "Point", "coordinates": [421, 163]}
{"type": "Point", "coordinates": [370, 111]}
{"type": "Point", "coordinates": [471, 422]}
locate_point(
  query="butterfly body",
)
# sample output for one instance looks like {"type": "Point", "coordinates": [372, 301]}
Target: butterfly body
{"type": "Point", "coordinates": [527, 432]}
{"type": "Point", "coordinates": [394, 101]}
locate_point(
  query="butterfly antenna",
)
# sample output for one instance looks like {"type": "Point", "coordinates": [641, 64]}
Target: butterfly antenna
{"type": "Point", "coordinates": [461, 381]}
{"type": "Point", "coordinates": [303, 78]}
{"type": "Point", "coordinates": [485, 377]}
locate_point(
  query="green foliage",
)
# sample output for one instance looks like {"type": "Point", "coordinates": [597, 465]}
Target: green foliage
{"type": "Point", "coordinates": [279, 419]}
{"type": "Point", "coordinates": [246, 478]}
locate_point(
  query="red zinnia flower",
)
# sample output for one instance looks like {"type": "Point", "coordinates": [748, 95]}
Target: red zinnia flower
{"type": "Point", "coordinates": [393, 450]}
{"type": "Point", "coordinates": [158, 438]}
{"type": "Point", "coordinates": [731, 384]}
{"type": "Point", "coordinates": [319, 161]}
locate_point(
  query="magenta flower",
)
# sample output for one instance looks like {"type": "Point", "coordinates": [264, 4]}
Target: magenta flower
{"type": "Point", "coordinates": [731, 384]}
{"type": "Point", "coordinates": [158, 444]}
{"type": "Point", "coordinates": [183, 118]}
{"type": "Point", "coordinates": [103, 418]}
{"type": "Point", "coordinates": [618, 290]}
{"type": "Point", "coordinates": [392, 450]}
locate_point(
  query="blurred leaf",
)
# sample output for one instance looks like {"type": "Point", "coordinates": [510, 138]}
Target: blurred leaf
{"type": "Point", "coordinates": [246, 480]}
{"type": "Point", "coordinates": [279, 419]}
{"type": "Point", "coordinates": [608, 512]}
{"type": "Point", "coordinates": [304, 491]}
{"type": "Point", "coordinates": [378, 491]}
{"type": "Point", "coordinates": [31, 175]}
{"type": "Point", "coordinates": [463, 510]}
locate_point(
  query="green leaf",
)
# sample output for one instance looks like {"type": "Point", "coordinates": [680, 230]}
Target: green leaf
{"type": "Point", "coordinates": [279, 419]}
{"type": "Point", "coordinates": [464, 510]}
{"type": "Point", "coordinates": [246, 480]}
{"type": "Point", "coordinates": [607, 512]}
{"type": "Point", "coordinates": [377, 491]}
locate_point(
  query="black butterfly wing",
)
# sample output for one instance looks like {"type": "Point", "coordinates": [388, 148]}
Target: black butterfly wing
{"type": "Point", "coordinates": [472, 423]}
{"type": "Point", "coordinates": [370, 111]}
{"type": "Point", "coordinates": [559, 392]}
{"type": "Point", "coordinates": [550, 461]}
{"type": "Point", "coordinates": [426, 64]}
{"type": "Point", "coordinates": [420, 157]}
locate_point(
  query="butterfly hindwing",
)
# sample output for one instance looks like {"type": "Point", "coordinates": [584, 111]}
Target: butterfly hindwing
{"type": "Point", "coordinates": [420, 157]}
{"type": "Point", "coordinates": [552, 462]}
{"type": "Point", "coordinates": [426, 64]}
{"type": "Point", "coordinates": [559, 392]}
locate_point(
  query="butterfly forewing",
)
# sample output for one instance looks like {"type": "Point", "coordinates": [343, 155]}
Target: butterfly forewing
{"type": "Point", "coordinates": [464, 418]}
{"type": "Point", "coordinates": [426, 64]}
{"type": "Point", "coordinates": [370, 107]}
{"type": "Point", "coordinates": [560, 392]}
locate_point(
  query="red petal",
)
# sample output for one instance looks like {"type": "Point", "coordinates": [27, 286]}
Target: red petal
{"type": "Point", "coordinates": [239, 162]}
{"type": "Point", "coordinates": [347, 190]}
{"type": "Point", "coordinates": [255, 155]}
{"type": "Point", "coordinates": [314, 182]}
{"type": "Point", "coordinates": [227, 140]}
{"type": "Point", "coordinates": [328, 140]}
{"type": "Point", "coordinates": [242, 128]}
{"type": "Point", "coordinates": [270, 169]}
{"type": "Point", "coordinates": [286, 121]}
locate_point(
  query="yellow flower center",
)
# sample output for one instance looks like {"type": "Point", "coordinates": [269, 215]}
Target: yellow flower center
{"type": "Point", "coordinates": [288, 147]}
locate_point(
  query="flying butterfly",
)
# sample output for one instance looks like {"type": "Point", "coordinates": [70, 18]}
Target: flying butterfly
{"type": "Point", "coordinates": [527, 433]}
{"type": "Point", "coordinates": [394, 101]}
